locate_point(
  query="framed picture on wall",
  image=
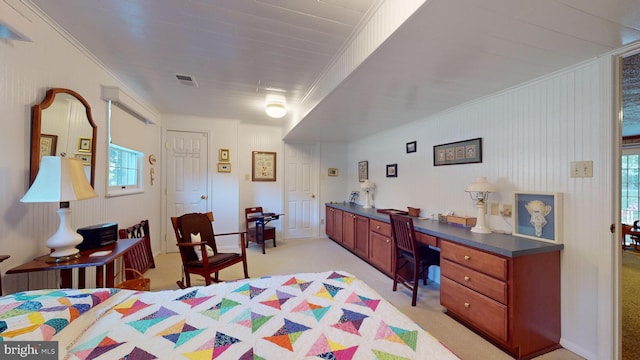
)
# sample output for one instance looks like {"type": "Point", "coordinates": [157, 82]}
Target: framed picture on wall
{"type": "Point", "coordinates": [223, 155]}
{"type": "Point", "coordinates": [459, 152]}
{"type": "Point", "coordinates": [48, 145]}
{"type": "Point", "coordinates": [333, 172]}
{"type": "Point", "coordinates": [224, 167]}
{"type": "Point", "coordinates": [363, 171]}
{"type": "Point", "coordinates": [392, 170]}
{"type": "Point", "coordinates": [84, 144]}
{"type": "Point", "coordinates": [538, 216]}
{"type": "Point", "coordinates": [263, 166]}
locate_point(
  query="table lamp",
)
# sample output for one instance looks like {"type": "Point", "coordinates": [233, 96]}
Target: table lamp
{"type": "Point", "coordinates": [368, 187]}
{"type": "Point", "coordinates": [61, 179]}
{"type": "Point", "coordinates": [479, 191]}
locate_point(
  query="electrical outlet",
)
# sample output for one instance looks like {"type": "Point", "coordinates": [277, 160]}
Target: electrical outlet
{"type": "Point", "coordinates": [494, 208]}
{"type": "Point", "coordinates": [506, 210]}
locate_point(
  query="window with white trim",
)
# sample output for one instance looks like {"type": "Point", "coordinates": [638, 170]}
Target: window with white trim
{"type": "Point", "coordinates": [126, 141]}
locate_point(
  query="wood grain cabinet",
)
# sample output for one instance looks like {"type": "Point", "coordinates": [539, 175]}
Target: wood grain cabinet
{"type": "Point", "coordinates": [513, 301]}
{"type": "Point", "coordinates": [380, 246]}
{"type": "Point", "coordinates": [355, 233]}
{"type": "Point", "coordinates": [334, 224]}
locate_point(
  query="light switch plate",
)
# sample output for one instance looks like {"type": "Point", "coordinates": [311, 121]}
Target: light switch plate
{"type": "Point", "coordinates": [581, 169]}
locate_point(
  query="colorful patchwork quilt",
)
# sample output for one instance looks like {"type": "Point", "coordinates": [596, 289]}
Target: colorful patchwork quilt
{"type": "Point", "coordinates": [329, 315]}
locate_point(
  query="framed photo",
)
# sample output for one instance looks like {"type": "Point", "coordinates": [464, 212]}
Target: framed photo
{"type": "Point", "coordinates": [538, 216]}
{"type": "Point", "coordinates": [392, 170]}
{"type": "Point", "coordinates": [460, 152]}
{"type": "Point", "coordinates": [412, 147]}
{"type": "Point", "coordinates": [333, 172]}
{"type": "Point", "coordinates": [263, 166]}
{"type": "Point", "coordinates": [84, 145]}
{"type": "Point", "coordinates": [363, 170]}
{"type": "Point", "coordinates": [223, 155]}
{"type": "Point", "coordinates": [48, 145]}
{"type": "Point", "coordinates": [353, 197]}
{"type": "Point", "coordinates": [86, 158]}
{"type": "Point", "coordinates": [224, 167]}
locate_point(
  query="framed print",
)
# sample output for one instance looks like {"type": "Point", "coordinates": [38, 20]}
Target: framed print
{"type": "Point", "coordinates": [392, 170]}
{"type": "Point", "coordinates": [263, 166]}
{"type": "Point", "coordinates": [538, 216]}
{"type": "Point", "coordinates": [86, 158]}
{"type": "Point", "coordinates": [84, 145]}
{"type": "Point", "coordinates": [363, 170]}
{"type": "Point", "coordinates": [223, 155]}
{"type": "Point", "coordinates": [353, 197]}
{"type": "Point", "coordinates": [48, 145]}
{"type": "Point", "coordinates": [333, 172]}
{"type": "Point", "coordinates": [460, 152]}
{"type": "Point", "coordinates": [412, 147]}
{"type": "Point", "coordinates": [224, 167]}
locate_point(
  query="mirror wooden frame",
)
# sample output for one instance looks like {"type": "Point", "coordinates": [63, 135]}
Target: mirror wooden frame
{"type": "Point", "coordinates": [36, 127]}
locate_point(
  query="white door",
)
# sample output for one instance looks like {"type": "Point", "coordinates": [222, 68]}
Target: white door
{"type": "Point", "coordinates": [301, 191]}
{"type": "Point", "coordinates": [187, 177]}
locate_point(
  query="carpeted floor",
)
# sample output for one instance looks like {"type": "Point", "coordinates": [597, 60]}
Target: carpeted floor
{"type": "Point", "coordinates": [314, 255]}
{"type": "Point", "coordinates": [630, 305]}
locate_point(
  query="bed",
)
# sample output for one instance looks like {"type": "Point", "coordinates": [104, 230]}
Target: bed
{"type": "Point", "coordinates": [330, 315]}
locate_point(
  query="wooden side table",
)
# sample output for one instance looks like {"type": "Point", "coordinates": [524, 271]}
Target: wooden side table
{"type": "Point", "coordinates": [2, 258]}
{"type": "Point", "coordinates": [85, 260]}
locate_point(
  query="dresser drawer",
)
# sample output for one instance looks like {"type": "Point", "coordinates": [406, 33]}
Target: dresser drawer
{"type": "Point", "coordinates": [380, 227]}
{"type": "Point", "coordinates": [482, 312]}
{"type": "Point", "coordinates": [491, 265]}
{"type": "Point", "coordinates": [486, 285]}
{"type": "Point", "coordinates": [427, 239]}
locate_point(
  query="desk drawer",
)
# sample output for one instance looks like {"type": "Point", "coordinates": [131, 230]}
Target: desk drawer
{"type": "Point", "coordinates": [486, 285]}
{"type": "Point", "coordinates": [489, 264]}
{"type": "Point", "coordinates": [380, 227]}
{"type": "Point", "coordinates": [427, 239]}
{"type": "Point", "coordinates": [482, 312]}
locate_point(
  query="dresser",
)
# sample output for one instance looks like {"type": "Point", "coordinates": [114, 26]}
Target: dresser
{"type": "Point", "coordinates": [505, 288]}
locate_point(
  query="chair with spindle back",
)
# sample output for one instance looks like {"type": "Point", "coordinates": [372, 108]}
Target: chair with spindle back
{"type": "Point", "coordinates": [139, 258]}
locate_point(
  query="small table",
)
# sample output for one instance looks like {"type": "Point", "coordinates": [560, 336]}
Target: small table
{"type": "Point", "coordinates": [261, 220]}
{"type": "Point", "coordinates": [85, 260]}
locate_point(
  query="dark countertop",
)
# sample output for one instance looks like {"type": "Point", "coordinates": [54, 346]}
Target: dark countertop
{"type": "Point", "coordinates": [507, 245]}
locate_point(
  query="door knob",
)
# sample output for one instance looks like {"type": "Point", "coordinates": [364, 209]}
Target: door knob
{"type": "Point", "coordinates": [203, 197]}
{"type": "Point", "coordinates": [313, 196]}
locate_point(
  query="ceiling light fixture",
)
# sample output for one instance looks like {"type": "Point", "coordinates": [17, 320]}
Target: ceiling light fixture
{"type": "Point", "coordinates": [275, 106]}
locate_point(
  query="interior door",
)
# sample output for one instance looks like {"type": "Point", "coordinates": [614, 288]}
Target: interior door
{"type": "Point", "coordinates": [301, 185]}
{"type": "Point", "coordinates": [187, 177]}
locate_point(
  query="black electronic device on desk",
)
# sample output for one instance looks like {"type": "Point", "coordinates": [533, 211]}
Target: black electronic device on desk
{"type": "Point", "coordinates": [96, 236]}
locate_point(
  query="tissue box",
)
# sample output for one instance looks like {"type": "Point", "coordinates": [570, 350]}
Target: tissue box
{"type": "Point", "coordinates": [461, 220]}
{"type": "Point", "coordinates": [442, 218]}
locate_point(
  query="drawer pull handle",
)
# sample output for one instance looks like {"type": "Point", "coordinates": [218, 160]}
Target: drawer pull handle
{"type": "Point", "coordinates": [467, 305]}
{"type": "Point", "coordinates": [378, 227]}
{"type": "Point", "coordinates": [466, 278]}
{"type": "Point", "coordinates": [388, 241]}
{"type": "Point", "coordinates": [467, 257]}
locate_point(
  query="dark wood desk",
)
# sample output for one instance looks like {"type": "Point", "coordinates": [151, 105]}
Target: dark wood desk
{"type": "Point", "coordinates": [261, 220]}
{"type": "Point", "coordinates": [85, 260]}
{"type": "Point", "coordinates": [2, 258]}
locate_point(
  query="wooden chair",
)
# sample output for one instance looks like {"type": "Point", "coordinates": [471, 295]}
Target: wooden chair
{"type": "Point", "coordinates": [411, 258]}
{"type": "Point", "coordinates": [138, 259]}
{"type": "Point", "coordinates": [632, 232]}
{"type": "Point", "coordinates": [254, 232]}
{"type": "Point", "coordinates": [201, 223]}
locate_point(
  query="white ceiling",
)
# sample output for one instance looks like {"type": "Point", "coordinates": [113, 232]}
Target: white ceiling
{"type": "Point", "coordinates": [447, 53]}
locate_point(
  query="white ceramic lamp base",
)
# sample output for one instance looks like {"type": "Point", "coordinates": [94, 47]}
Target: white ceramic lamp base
{"type": "Point", "coordinates": [65, 240]}
{"type": "Point", "coordinates": [367, 201]}
{"type": "Point", "coordinates": [480, 227]}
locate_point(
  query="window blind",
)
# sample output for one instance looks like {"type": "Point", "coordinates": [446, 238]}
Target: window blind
{"type": "Point", "coordinates": [126, 129]}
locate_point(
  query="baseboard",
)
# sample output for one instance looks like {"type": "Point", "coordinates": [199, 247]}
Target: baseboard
{"type": "Point", "coordinates": [577, 349]}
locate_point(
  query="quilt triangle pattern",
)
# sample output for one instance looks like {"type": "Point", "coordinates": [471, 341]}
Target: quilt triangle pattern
{"type": "Point", "coordinates": [249, 355]}
{"type": "Point", "coordinates": [350, 321]}
{"type": "Point", "coordinates": [180, 333]}
{"type": "Point", "coordinates": [327, 349]}
{"type": "Point", "coordinates": [95, 347]}
{"type": "Point", "coordinates": [363, 301]}
{"type": "Point", "coordinates": [143, 324]}
{"type": "Point", "coordinates": [342, 278]}
{"type": "Point", "coordinates": [397, 335]}
{"type": "Point", "coordinates": [381, 355]}
{"type": "Point", "coordinates": [130, 307]}
{"type": "Point", "coordinates": [328, 291]}
{"type": "Point", "coordinates": [300, 284]}
{"type": "Point", "coordinates": [252, 319]}
{"type": "Point", "coordinates": [287, 335]}
{"type": "Point", "coordinates": [311, 309]}
{"type": "Point", "coordinates": [278, 299]}
{"type": "Point", "coordinates": [219, 309]}
{"type": "Point", "coordinates": [213, 348]}
{"type": "Point", "coordinates": [138, 354]}
{"type": "Point", "coordinates": [250, 291]}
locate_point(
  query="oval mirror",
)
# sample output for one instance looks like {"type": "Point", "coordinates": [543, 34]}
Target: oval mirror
{"type": "Point", "coordinates": [62, 126]}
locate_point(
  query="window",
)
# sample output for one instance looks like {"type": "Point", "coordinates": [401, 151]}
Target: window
{"type": "Point", "coordinates": [630, 181]}
{"type": "Point", "coordinates": [125, 156]}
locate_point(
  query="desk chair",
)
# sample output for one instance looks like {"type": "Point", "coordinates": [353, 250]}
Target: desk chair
{"type": "Point", "coordinates": [211, 261]}
{"type": "Point", "coordinates": [255, 233]}
{"type": "Point", "coordinates": [417, 258]}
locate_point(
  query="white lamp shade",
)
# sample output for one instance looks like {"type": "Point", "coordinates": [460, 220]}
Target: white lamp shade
{"type": "Point", "coordinates": [59, 179]}
{"type": "Point", "coordinates": [276, 106]}
{"type": "Point", "coordinates": [481, 185]}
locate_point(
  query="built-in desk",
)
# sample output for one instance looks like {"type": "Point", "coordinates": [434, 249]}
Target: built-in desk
{"type": "Point", "coordinates": [505, 287]}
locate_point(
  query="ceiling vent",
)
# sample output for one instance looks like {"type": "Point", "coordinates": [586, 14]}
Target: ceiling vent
{"type": "Point", "coordinates": [186, 80]}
